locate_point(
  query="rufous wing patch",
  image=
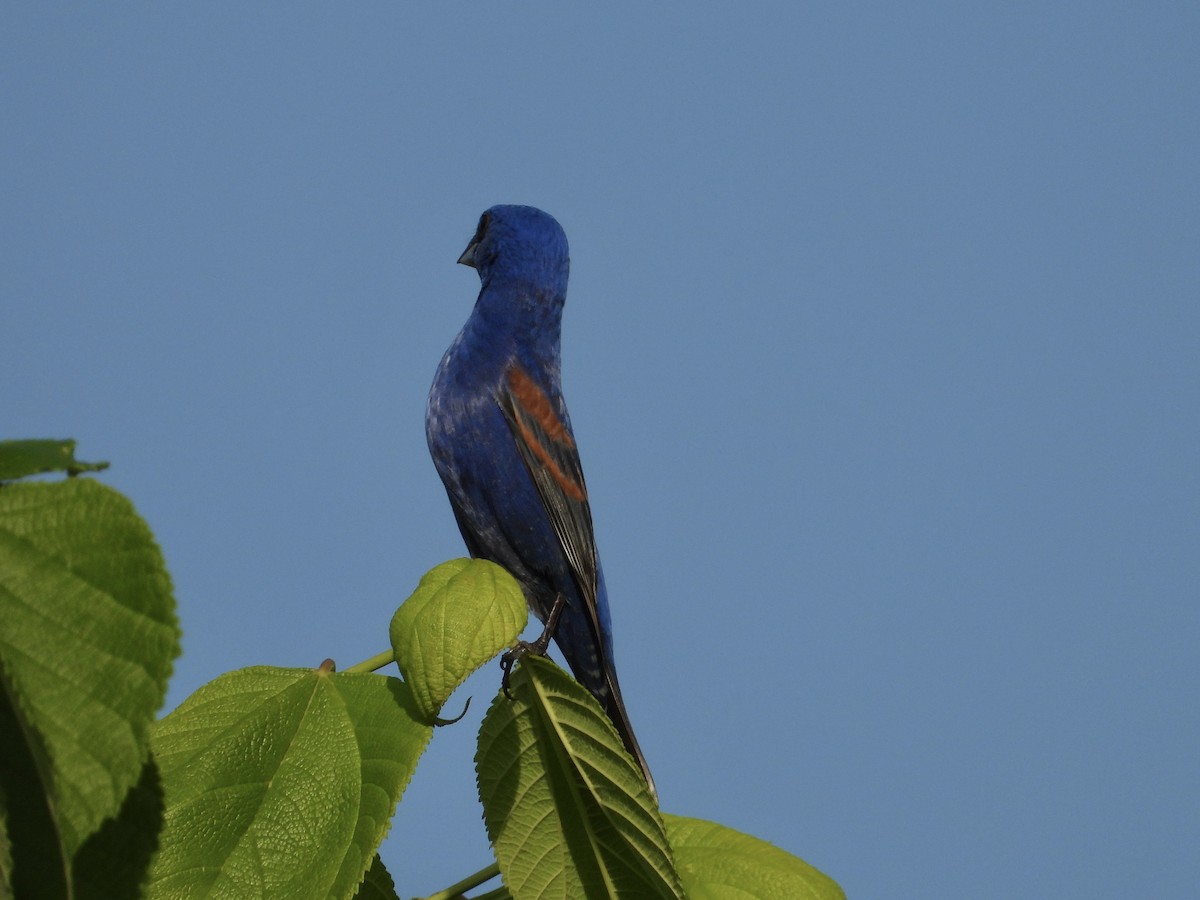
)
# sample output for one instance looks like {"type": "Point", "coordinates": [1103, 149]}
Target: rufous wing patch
{"type": "Point", "coordinates": [536, 420]}
{"type": "Point", "coordinates": [537, 405]}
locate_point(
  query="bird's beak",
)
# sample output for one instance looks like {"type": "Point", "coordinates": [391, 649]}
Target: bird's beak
{"type": "Point", "coordinates": [468, 255]}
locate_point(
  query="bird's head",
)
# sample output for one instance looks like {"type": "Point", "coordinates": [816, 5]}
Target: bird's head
{"type": "Point", "coordinates": [520, 244]}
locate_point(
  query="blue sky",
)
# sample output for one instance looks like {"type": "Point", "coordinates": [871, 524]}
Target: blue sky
{"type": "Point", "coordinates": [882, 348]}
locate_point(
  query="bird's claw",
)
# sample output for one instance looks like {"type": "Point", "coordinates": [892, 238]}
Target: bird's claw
{"type": "Point", "coordinates": [537, 647]}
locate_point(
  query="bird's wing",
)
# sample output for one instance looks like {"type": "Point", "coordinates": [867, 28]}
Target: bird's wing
{"type": "Point", "coordinates": [548, 448]}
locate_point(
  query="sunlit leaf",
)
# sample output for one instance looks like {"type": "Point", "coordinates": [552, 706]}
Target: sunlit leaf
{"type": "Point", "coordinates": [281, 782]}
{"type": "Point", "coordinates": [567, 809]}
{"type": "Point", "coordinates": [462, 614]}
{"type": "Point", "coordinates": [88, 639]}
{"type": "Point", "coordinates": [718, 863]}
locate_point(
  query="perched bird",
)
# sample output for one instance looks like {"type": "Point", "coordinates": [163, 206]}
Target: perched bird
{"type": "Point", "coordinates": [501, 439]}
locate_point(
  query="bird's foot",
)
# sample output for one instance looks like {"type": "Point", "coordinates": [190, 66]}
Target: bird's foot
{"type": "Point", "coordinates": [537, 647]}
{"type": "Point", "coordinates": [509, 659]}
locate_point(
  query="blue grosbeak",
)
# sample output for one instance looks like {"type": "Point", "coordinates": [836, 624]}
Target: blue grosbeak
{"type": "Point", "coordinates": [501, 439]}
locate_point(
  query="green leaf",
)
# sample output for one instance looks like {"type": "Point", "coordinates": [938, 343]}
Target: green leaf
{"type": "Point", "coordinates": [281, 782]}
{"type": "Point", "coordinates": [718, 863]}
{"type": "Point", "coordinates": [377, 885]}
{"type": "Point", "coordinates": [462, 614]}
{"type": "Point", "coordinates": [21, 458]}
{"type": "Point", "coordinates": [31, 834]}
{"type": "Point", "coordinates": [567, 809]}
{"type": "Point", "coordinates": [88, 639]}
{"type": "Point", "coordinates": [6, 889]}
{"type": "Point", "coordinates": [112, 864]}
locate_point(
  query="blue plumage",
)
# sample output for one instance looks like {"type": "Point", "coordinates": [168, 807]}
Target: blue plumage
{"type": "Point", "coordinates": [501, 439]}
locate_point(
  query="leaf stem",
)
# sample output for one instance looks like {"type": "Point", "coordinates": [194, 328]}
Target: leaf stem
{"type": "Point", "coordinates": [378, 661]}
{"type": "Point", "coordinates": [471, 881]}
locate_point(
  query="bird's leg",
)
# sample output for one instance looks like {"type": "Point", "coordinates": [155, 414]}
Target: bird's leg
{"type": "Point", "coordinates": [523, 648]}
{"type": "Point", "coordinates": [542, 643]}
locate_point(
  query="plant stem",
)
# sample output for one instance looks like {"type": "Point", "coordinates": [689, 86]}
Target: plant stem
{"type": "Point", "coordinates": [378, 661]}
{"type": "Point", "coordinates": [471, 881]}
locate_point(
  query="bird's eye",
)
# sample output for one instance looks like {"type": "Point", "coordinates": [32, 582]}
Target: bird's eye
{"type": "Point", "coordinates": [482, 229]}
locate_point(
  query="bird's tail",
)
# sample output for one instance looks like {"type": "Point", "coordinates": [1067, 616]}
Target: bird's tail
{"type": "Point", "coordinates": [614, 707]}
